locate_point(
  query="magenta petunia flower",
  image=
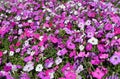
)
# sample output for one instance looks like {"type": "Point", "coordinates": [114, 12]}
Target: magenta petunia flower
{"type": "Point", "coordinates": [1, 53]}
{"type": "Point", "coordinates": [72, 54]}
{"type": "Point", "coordinates": [99, 73]}
{"type": "Point", "coordinates": [101, 48]}
{"type": "Point", "coordinates": [108, 26]}
{"type": "Point", "coordinates": [70, 45]}
{"type": "Point", "coordinates": [53, 39]}
{"type": "Point", "coordinates": [117, 30]}
{"type": "Point", "coordinates": [88, 47]}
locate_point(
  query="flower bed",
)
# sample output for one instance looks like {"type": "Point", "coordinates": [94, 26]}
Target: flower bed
{"type": "Point", "coordinates": [60, 39]}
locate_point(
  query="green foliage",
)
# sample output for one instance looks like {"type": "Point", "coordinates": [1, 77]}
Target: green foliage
{"type": "Point", "coordinates": [16, 59]}
{"type": "Point", "coordinates": [50, 52]}
{"type": "Point", "coordinates": [5, 44]}
{"type": "Point", "coordinates": [118, 36]}
{"type": "Point", "coordinates": [62, 32]}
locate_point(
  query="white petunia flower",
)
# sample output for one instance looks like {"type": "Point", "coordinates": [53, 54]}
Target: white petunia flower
{"type": "Point", "coordinates": [5, 52]}
{"type": "Point", "coordinates": [88, 22]}
{"type": "Point", "coordinates": [47, 18]}
{"type": "Point", "coordinates": [62, 7]}
{"type": "Point", "coordinates": [81, 25]}
{"type": "Point", "coordinates": [48, 29]}
{"type": "Point", "coordinates": [58, 60]}
{"type": "Point", "coordinates": [81, 47]}
{"type": "Point", "coordinates": [66, 21]}
{"type": "Point", "coordinates": [11, 53]}
{"type": "Point", "coordinates": [116, 37]}
{"type": "Point", "coordinates": [20, 0]}
{"type": "Point", "coordinates": [26, 43]}
{"type": "Point", "coordinates": [79, 4]}
{"type": "Point", "coordinates": [14, 68]}
{"type": "Point", "coordinates": [75, 13]}
{"type": "Point", "coordinates": [39, 67]}
{"type": "Point", "coordinates": [18, 18]}
{"type": "Point", "coordinates": [28, 67]}
{"type": "Point", "coordinates": [40, 38]}
{"type": "Point", "coordinates": [29, 51]}
{"type": "Point", "coordinates": [20, 25]}
{"type": "Point", "coordinates": [79, 69]}
{"type": "Point", "coordinates": [32, 53]}
{"type": "Point", "coordinates": [95, 0]}
{"type": "Point", "coordinates": [42, 48]}
{"type": "Point", "coordinates": [2, 15]}
{"type": "Point", "coordinates": [93, 41]}
{"type": "Point", "coordinates": [79, 77]}
{"type": "Point", "coordinates": [30, 21]}
{"type": "Point", "coordinates": [51, 75]}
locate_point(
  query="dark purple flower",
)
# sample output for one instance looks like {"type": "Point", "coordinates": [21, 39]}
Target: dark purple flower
{"type": "Point", "coordinates": [7, 68]}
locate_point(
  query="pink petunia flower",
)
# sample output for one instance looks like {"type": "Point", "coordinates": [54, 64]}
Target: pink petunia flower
{"type": "Point", "coordinates": [1, 53]}
{"type": "Point", "coordinates": [70, 75]}
{"type": "Point", "coordinates": [99, 73]}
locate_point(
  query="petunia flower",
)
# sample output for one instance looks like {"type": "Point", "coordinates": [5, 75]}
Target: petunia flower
{"type": "Point", "coordinates": [28, 58]}
{"type": "Point", "coordinates": [28, 67]}
{"type": "Point", "coordinates": [11, 53]}
{"type": "Point", "coordinates": [88, 47]}
{"type": "Point", "coordinates": [116, 30]}
{"type": "Point", "coordinates": [99, 73]}
{"type": "Point", "coordinates": [39, 68]}
{"type": "Point", "coordinates": [79, 69]}
{"type": "Point", "coordinates": [7, 68]}
{"type": "Point", "coordinates": [1, 53]}
{"type": "Point", "coordinates": [24, 76]}
{"type": "Point", "coordinates": [62, 52]}
{"type": "Point", "coordinates": [72, 54]}
{"type": "Point", "coordinates": [95, 61]}
{"type": "Point", "coordinates": [101, 48]}
{"type": "Point", "coordinates": [115, 59]}
{"type": "Point", "coordinates": [81, 47]}
{"type": "Point", "coordinates": [49, 62]}
{"type": "Point", "coordinates": [53, 39]}
{"type": "Point", "coordinates": [115, 76]}
{"type": "Point", "coordinates": [70, 45]}
{"type": "Point", "coordinates": [115, 18]}
{"type": "Point", "coordinates": [108, 26]}
{"type": "Point", "coordinates": [70, 75]}
{"type": "Point", "coordinates": [93, 41]}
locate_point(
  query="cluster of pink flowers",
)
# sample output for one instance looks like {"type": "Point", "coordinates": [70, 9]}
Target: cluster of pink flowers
{"type": "Point", "coordinates": [59, 39]}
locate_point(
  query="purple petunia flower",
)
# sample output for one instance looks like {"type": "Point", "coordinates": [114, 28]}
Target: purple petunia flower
{"type": "Point", "coordinates": [24, 76]}
{"type": "Point", "coordinates": [70, 45]}
{"type": "Point", "coordinates": [115, 59]}
{"type": "Point", "coordinates": [62, 52]}
{"type": "Point", "coordinates": [115, 76]}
